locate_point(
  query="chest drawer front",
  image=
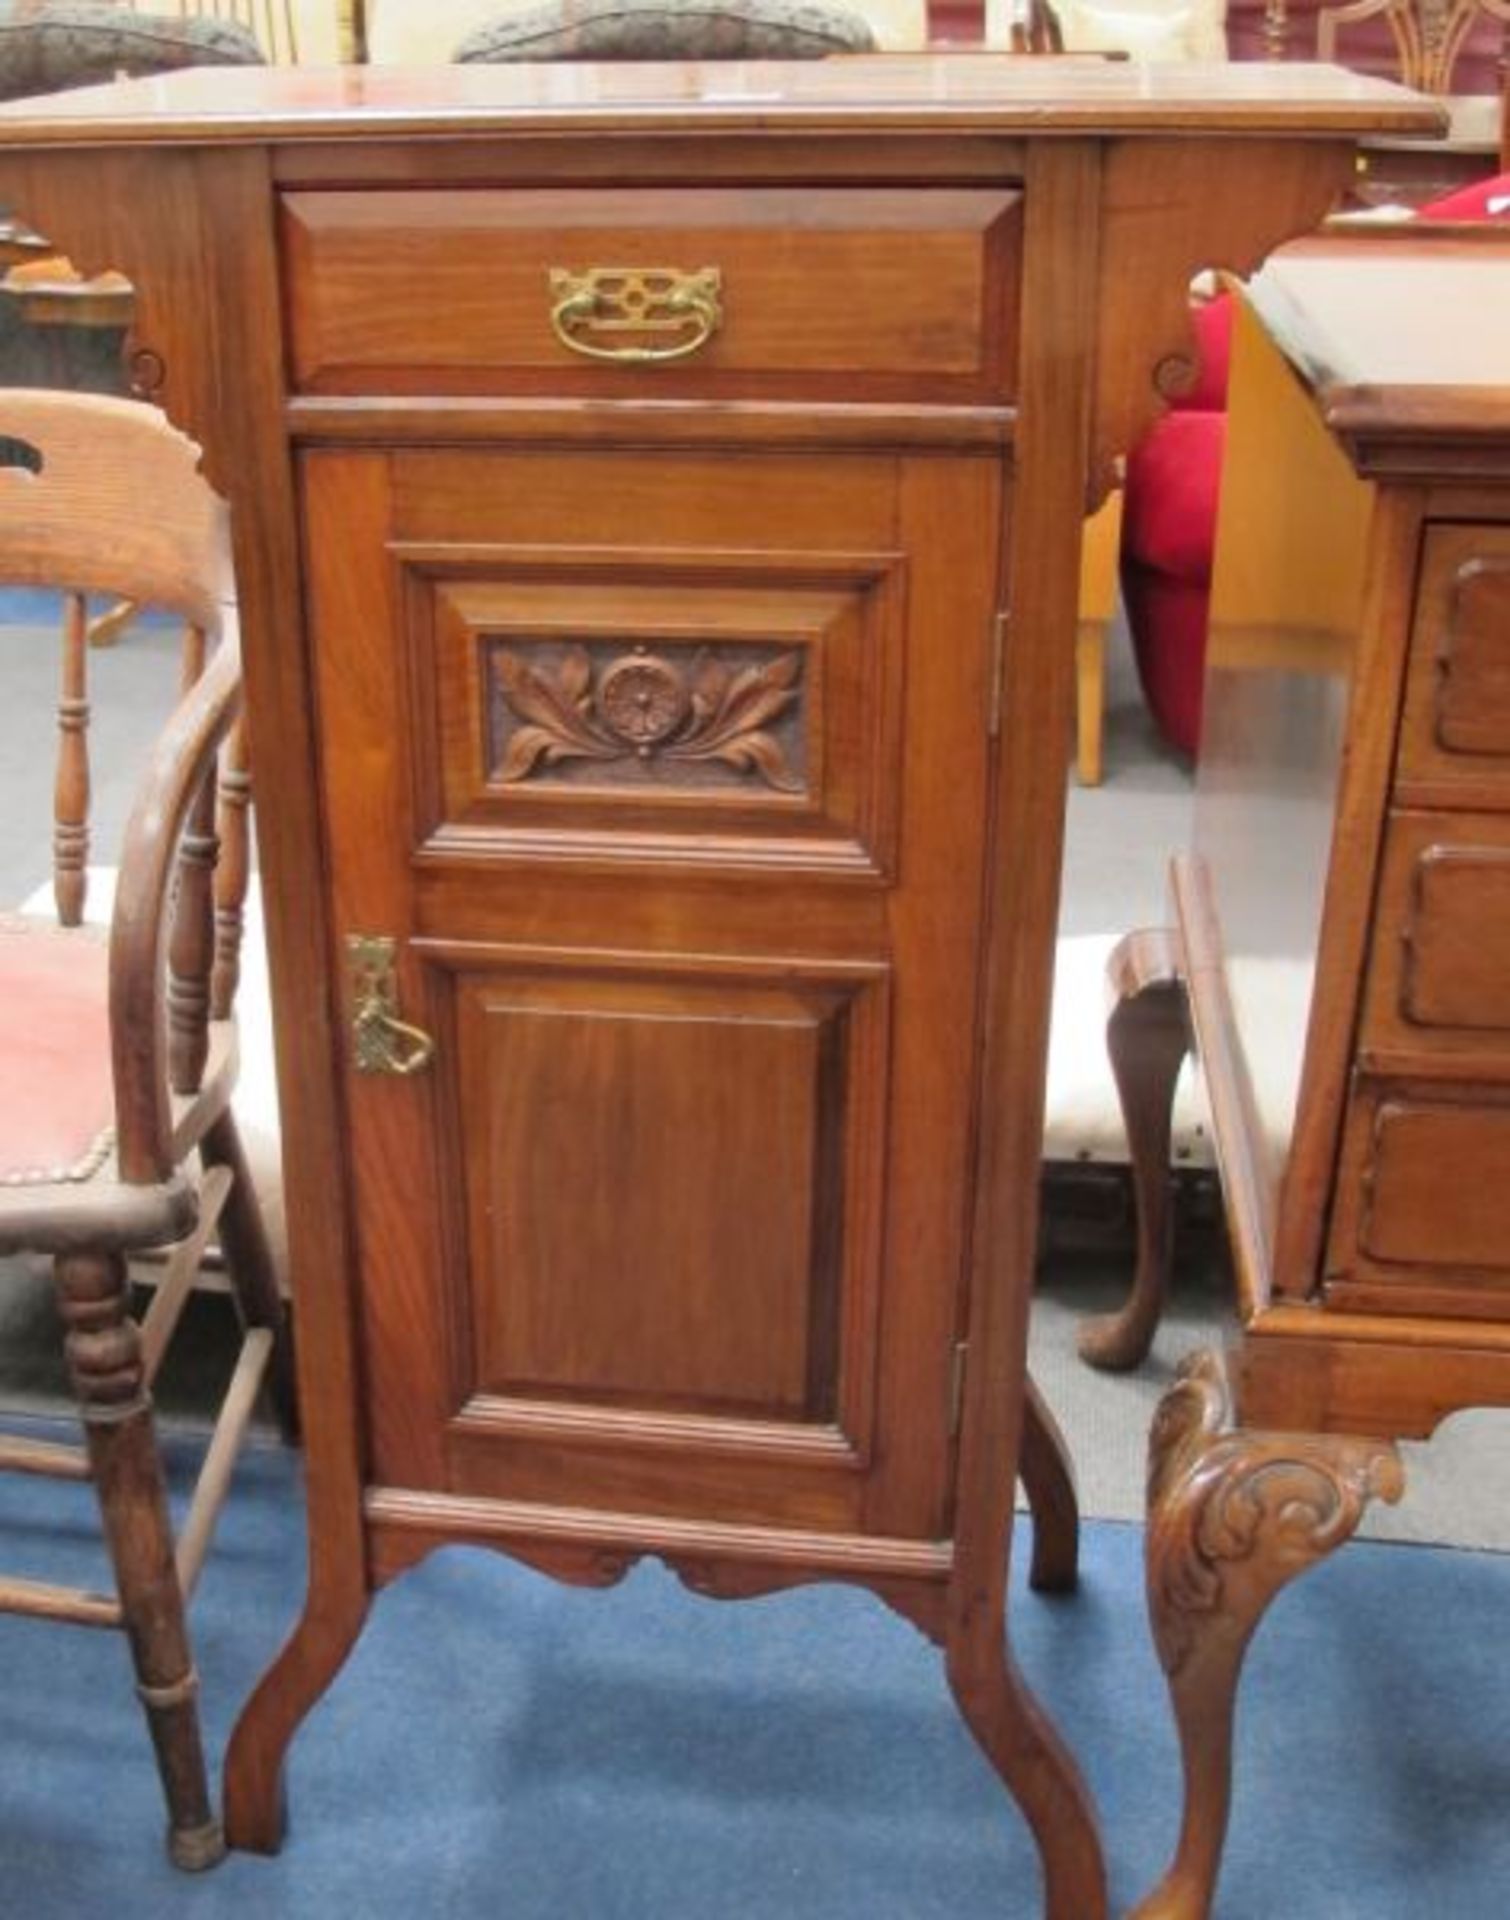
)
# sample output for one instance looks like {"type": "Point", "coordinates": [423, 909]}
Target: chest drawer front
{"type": "Point", "coordinates": [1456, 736]}
{"type": "Point", "coordinates": [1439, 976]}
{"type": "Point", "coordinates": [866, 293]}
{"type": "Point", "coordinates": [1423, 1210]}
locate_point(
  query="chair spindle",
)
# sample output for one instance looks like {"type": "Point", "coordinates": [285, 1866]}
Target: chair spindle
{"type": "Point", "coordinates": [70, 839]}
{"type": "Point", "coordinates": [191, 947]}
{"type": "Point", "coordinates": [233, 872]}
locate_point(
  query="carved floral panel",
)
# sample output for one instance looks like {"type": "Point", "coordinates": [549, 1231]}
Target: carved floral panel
{"type": "Point", "coordinates": [596, 713]}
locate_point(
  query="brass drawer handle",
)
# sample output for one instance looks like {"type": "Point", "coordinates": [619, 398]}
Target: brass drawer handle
{"type": "Point", "coordinates": [383, 1043]}
{"type": "Point", "coordinates": [605, 301]}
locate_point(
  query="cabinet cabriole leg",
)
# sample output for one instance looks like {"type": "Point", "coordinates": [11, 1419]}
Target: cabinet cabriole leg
{"type": "Point", "coordinates": [1048, 1477]}
{"type": "Point", "coordinates": [1036, 1768]}
{"type": "Point", "coordinates": [255, 1814]}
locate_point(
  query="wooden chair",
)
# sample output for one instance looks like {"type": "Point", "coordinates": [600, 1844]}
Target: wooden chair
{"type": "Point", "coordinates": [118, 1058]}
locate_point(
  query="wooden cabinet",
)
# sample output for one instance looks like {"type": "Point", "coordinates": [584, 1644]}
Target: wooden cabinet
{"type": "Point", "coordinates": [658, 499]}
{"type": "Point", "coordinates": [1342, 953]}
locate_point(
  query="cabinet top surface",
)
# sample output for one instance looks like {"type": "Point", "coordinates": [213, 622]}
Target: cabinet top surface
{"type": "Point", "coordinates": [948, 92]}
{"type": "Point", "coordinates": [1398, 328]}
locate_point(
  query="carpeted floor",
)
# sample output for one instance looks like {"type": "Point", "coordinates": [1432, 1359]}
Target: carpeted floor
{"type": "Point", "coordinates": [499, 1744]}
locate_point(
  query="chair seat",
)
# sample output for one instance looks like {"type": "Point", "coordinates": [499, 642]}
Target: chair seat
{"type": "Point", "coordinates": [57, 1119]}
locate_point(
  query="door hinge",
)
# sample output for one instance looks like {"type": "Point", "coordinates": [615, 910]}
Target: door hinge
{"type": "Point", "coordinates": [998, 656]}
{"type": "Point", "coordinates": [957, 1386]}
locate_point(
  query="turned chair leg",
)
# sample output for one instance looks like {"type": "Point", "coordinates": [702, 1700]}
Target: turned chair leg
{"type": "Point", "coordinates": [103, 1349]}
{"type": "Point", "coordinates": [250, 1265]}
{"type": "Point", "coordinates": [1233, 1517]}
{"type": "Point", "coordinates": [1047, 1473]}
{"type": "Point", "coordinates": [1147, 1038]}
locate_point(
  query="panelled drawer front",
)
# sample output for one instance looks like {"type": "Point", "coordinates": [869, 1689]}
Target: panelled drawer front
{"type": "Point", "coordinates": [1423, 1214]}
{"type": "Point", "coordinates": [1456, 735]}
{"type": "Point", "coordinates": [1439, 976]}
{"type": "Point", "coordinates": [864, 293]}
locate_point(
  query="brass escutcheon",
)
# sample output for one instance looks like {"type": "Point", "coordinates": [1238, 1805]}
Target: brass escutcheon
{"type": "Point", "coordinates": [382, 1042]}
{"type": "Point", "coordinates": [607, 301]}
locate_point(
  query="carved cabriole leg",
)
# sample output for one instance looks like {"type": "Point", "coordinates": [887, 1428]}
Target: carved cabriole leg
{"type": "Point", "coordinates": [105, 1363]}
{"type": "Point", "coordinates": [1233, 1517]}
{"type": "Point", "coordinates": [1147, 1038]}
{"type": "Point", "coordinates": [1047, 1473]}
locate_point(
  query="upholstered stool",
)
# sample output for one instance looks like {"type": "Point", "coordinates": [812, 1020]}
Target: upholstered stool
{"type": "Point", "coordinates": [670, 30]}
{"type": "Point", "coordinates": [48, 45]}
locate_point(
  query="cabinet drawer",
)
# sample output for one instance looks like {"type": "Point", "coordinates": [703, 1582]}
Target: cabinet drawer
{"type": "Point", "coordinates": [1439, 975]}
{"type": "Point", "coordinates": [870, 293]}
{"type": "Point", "coordinates": [1423, 1207]}
{"type": "Point", "coordinates": [1455, 742]}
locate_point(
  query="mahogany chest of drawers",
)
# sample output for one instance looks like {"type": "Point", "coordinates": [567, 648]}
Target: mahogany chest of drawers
{"type": "Point", "coordinates": [1342, 948]}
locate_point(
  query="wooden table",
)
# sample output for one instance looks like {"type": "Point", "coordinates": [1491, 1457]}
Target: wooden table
{"type": "Point", "coordinates": [1341, 953]}
{"type": "Point", "coordinates": [658, 496]}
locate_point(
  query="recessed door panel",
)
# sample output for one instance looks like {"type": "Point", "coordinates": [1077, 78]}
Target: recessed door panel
{"type": "Point", "coordinates": [663, 1207]}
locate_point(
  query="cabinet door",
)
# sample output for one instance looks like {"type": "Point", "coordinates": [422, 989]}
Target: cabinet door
{"type": "Point", "coordinates": [666, 774]}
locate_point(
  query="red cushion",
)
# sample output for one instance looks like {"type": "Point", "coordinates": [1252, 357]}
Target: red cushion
{"type": "Point", "coordinates": [1168, 622]}
{"type": "Point", "coordinates": [54, 1050]}
{"type": "Point", "coordinates": [1212, 322]}
{"type": "Point", "coordinates": [1169, 514]}
{"type": "Point", "coordinates": [1485, 200]}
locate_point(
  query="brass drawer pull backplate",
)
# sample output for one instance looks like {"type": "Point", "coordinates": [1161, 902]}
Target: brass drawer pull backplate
{"type": "Point", "coordinates": [590, 308]}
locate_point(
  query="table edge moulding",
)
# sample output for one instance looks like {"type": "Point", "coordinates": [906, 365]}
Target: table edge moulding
{"type": "Point", "coordinates": [1130, 181]}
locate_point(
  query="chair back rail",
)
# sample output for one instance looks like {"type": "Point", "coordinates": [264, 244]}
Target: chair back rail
{"type": "Point", "coordinates": [71, 517]}
{"type": "Point", "coordinates": [112, 504]}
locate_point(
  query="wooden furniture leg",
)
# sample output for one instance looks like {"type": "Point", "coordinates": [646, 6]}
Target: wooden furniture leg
{"type": "Point", "coordinates": [103, 1347]}
{"type": "Point", "coordinates": [306, 1665]}
{"type": "Point", "coordinates": [1233, 1517]}
{"type": "Point", "coordinates": [1147, 1038]}
{"type": "Point", "coordinates": [1047, 1472]}
{"type": "Point", "coordinates": [1035, 1766]}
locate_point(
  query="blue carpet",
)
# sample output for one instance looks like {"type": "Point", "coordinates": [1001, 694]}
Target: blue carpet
{"type": "Point", "coordinates": [502, 1744]}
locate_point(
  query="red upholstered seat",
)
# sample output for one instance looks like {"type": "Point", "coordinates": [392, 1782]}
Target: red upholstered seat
{"type": "Point", "coordinates": [57, 1107]}
{"type": "Point", "coordinates": [1169, 534]}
